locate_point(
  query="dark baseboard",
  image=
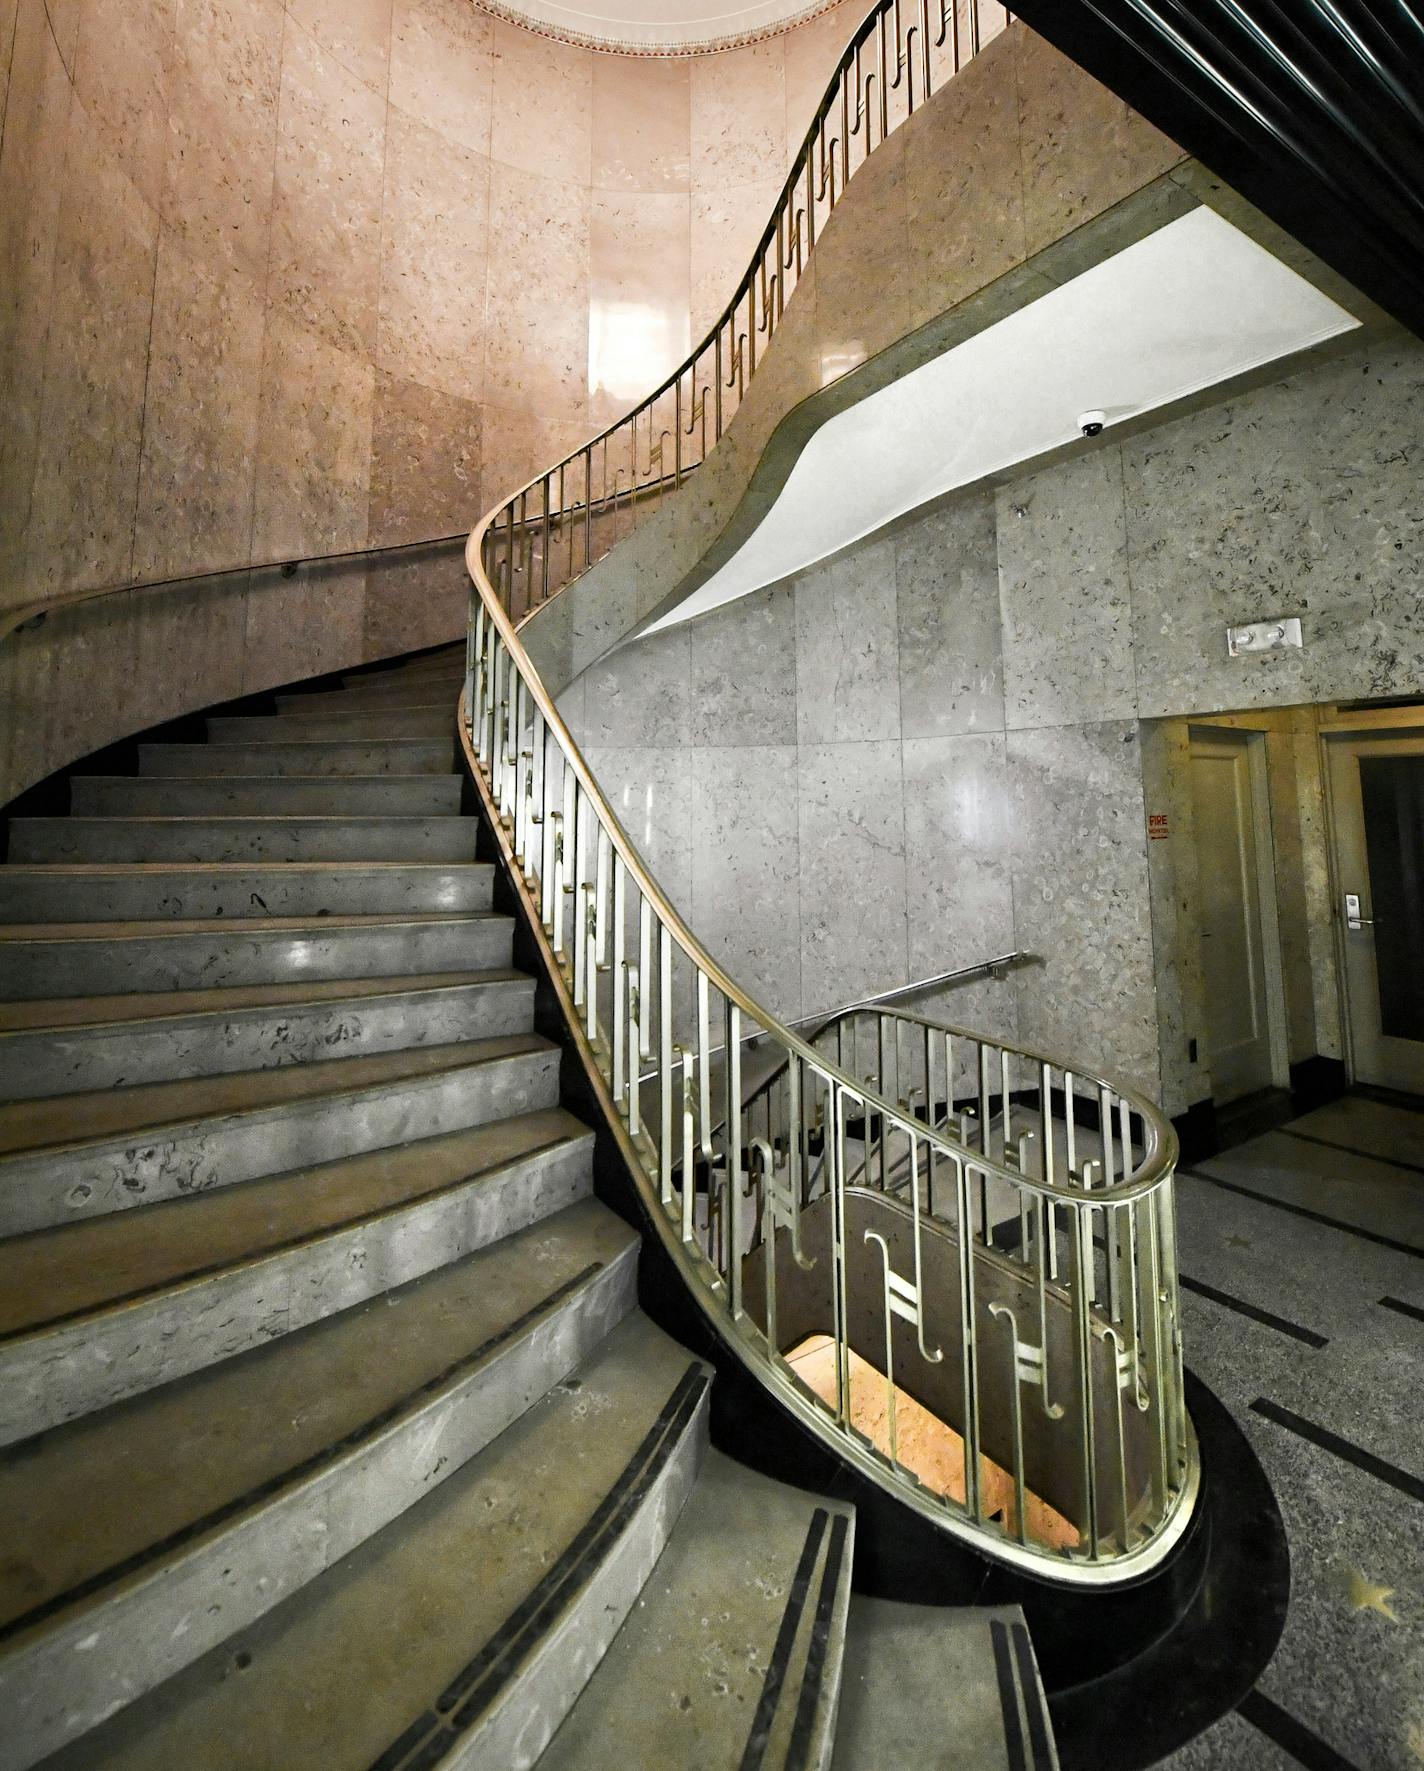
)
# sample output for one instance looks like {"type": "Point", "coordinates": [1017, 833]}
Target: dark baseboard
{"type": "Point", "coordinates": [1197, 1131]}
{"type": "Point", "coordinates": [1316, 1080]}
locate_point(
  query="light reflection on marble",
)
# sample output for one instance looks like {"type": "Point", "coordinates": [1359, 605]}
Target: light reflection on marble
{"type": "Point", "coordinates": [959, 889]}
{"type": "Point", "coordinates": [639, 329]}
{"type": "Point", "coordinates": [536, 338]}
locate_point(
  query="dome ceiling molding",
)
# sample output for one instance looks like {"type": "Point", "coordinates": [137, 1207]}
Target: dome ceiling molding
{"type": "Point", "coordinates": [702, 31]}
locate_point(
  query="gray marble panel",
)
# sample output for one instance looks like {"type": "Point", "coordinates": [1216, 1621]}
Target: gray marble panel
{"type": "Point", "coordinates": [947, 607]}
{"type": "Point", "coordinates": [958, 872]}
{"type": "Point", "coordinates": [651, 792]}
{"type": "Point", "coordinates": [743, 672]}
{"type": "Point", "coordinates": [854, 939]}
{"type": "Point", "coordinates": [847, 654]}
{"type": "Point", "coordinates": [1081, 899]}
{"type": "Point", "coordinates": [744, 855]}
{"type": "Point", "coordinates": [1063, 584]}
{"type": "Point", "coordinates": [638, 695]}
{"type": "Point", "coordinates": [1297, 499]}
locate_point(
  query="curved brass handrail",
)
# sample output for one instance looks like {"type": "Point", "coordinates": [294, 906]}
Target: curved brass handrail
{"type": "Point", "coordinates": [759, 1202]}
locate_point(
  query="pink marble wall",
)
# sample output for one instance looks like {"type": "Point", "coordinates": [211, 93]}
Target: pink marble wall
{"type": "Point", "coordinates": [285, 278]}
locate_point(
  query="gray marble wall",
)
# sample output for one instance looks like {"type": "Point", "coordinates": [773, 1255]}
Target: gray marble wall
{"type": "Point", "coordinates": [952, 736]}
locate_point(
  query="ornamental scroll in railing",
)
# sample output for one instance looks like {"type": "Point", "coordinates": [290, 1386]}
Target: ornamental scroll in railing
{"type": "Point", "coordinates": [564, 520]}
{"type": "Point", "coordinates": [952, 1258]}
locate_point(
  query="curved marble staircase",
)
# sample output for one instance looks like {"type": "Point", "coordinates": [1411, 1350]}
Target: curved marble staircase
{"type": "Point", "coordinates": [333, 1434]}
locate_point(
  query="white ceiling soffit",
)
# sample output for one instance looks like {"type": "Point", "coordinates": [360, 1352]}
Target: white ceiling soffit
{"type": "Point", "coordinates": [658, 27]}
{"type": "Point", "coordinates": [1189, 306]}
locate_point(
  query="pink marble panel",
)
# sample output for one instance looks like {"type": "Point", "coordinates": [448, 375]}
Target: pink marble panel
{"type": "Point", "coordinates": [543, 104]}
{"type": "Point", "coordinates": [200, 418]}
{"type": "Point", "coordinates": [739, 116]}
{"type": "Point", "coordinates": [536, 347]}
{"type": "Point", "coordinates": [442, 68]}
{"type": "Point", "coordinates": [642, 124]}
{"type": "Point", "coordinates": [421, 599]}
{"type": "Point", "coordinates": [434, 254]}
{"type": "Point", "coordinates": [356, 32]}
{"type": "Point", "coordinates": [639, 329]}
{"type": "Point", "coordinates": [325, 264]}
{"type": "Point", "coordinates": [302, 625]}
{"type": "Point", "coordinates": [122, 81]}
{"type": "Point", "coordinates": [222, 137]}
{"type": "Point", "coordinates": [726, 227]}
{"type": "Point", "coordinates": [812, 51]}
{"type": "Point", "coordinates": [86, 476]}
{"type": "Point", "coordinates": [313, 446]}
{"type": "Point", "coordinates": [517, 443]}
{"type": "Point", "coordinates": [31, 179]}
{"type": "Point", "coordinates": [425, 462]}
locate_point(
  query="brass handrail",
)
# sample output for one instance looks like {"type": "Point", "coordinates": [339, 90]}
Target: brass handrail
{"type": "Point", "coordinates": [758, 1200]}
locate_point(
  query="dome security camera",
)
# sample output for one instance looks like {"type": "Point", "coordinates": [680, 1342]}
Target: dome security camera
{"type": "Point", "coordinates": [1091, 423]}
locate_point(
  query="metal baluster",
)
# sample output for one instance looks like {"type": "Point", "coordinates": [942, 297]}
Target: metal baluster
{"type": "Point", "coordinates": [732, 1139]}
{"type": "Point", "coordinates": [619, 1000]}
{"type": "Point", "coordinates": [1082, 1238]}
{"type": "Point", "coordinates": [968, 1350]}
{"type": "Point", "coordinates": [665, 1059]}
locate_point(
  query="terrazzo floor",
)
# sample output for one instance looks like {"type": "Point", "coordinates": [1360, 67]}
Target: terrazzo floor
{"type": "Point", "coordinates": [1311, 1227]}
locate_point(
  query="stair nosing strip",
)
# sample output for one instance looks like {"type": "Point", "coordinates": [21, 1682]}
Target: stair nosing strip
{"type": "Point", "coordinates": [329, 1455]}
{"type": "Point", "coordinates": [176, 1286]}
{"type": "Point", "coordinates": [474, 1690]}
{"type": "Point", "coordinates": [759, 1737]}
{"type": "Point", "coordinates": [813, 1673]}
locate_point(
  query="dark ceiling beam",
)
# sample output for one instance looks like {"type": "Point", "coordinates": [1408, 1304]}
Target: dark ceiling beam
{"type": "Point", "coordinates": [1312, 109]}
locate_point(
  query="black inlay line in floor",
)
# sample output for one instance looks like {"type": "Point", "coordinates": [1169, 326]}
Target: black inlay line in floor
{"type": "Point", "coordinates": [1292, 1736]}
{"type": "Point", "coordinates": [1406, 1483]}
{"type": "Point", "coordinates": [1308, 1137]}
{"type": "Point", "coordinates": [798, 1752]}
{"type": "Point", "coordinates": [1303, 1211]}
{"type": "Point", "coordinates": [1038, 1734]}
{"type": "Point", "coordinates": [328, 1454]}
{"type": "Point", "coordinates": [1254, 1311]}
{"type": "Point", "coordinates": [760, 1735]}
{"type": "Point", "coordinates": [1008, 1696]}
{"type": "Point", "coordinates": [431, 1736]}
{"type": "Point", "coordinates": [191, 1275]}
{"type": "Point", "coordinates": [1403, 1309]}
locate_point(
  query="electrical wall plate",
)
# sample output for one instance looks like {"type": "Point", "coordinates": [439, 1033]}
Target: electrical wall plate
{"type": "Point", "coordinates": [1264, 636]}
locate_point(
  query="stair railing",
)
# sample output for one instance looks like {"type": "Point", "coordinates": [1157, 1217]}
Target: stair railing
{"type": "Point", "coordinates": [962, 1275]}
{"type": "Point", "coordinates": [564, 520]}
{"type": "Point", "coordinates": [861, 1213]}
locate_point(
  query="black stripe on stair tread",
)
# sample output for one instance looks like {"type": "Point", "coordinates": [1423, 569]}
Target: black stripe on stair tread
{"type": "Point", "coordinates": [798, 1752]}
{"type": "Point", "coordinates": [469, 1695]}
{"type": "Point", "coordinates": [760, 1734]}
{"type": "Point", "coordinates": [1038, 1734]}
{"type": "Point", "coordinates": [298, 1473]}
{"type": "Point", "coordinates": [1008, 1696]}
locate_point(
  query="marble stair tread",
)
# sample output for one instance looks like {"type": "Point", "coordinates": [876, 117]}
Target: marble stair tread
{"type": "Point", "coordinates": [103, 1114]}
{"type": "Point", "coordinates": [438, 837]}
{"type": "Point", "coordinates": [52, 1274]}
{"type": "Point", "coordinates": [473, 1620]}
{"type": "Point", "coordinates": [331, 756]}
{"type": "Point", "coordinates": [429, 720]}
{"type": "Point", "coordinates": [732, 1654]}
{"type": "Point", "coordinates": [395, 700]}
{"type": "Point", "coordinates": [82, 959]}
{"type": "Point", "coordinates": [426, 795]}
{"type": "Point", "coordinates": [149, 1005]}
{"type": "Point", "coordinates": [236, 1426]}
{"type": "Point", "coordinates": [956, 1688]}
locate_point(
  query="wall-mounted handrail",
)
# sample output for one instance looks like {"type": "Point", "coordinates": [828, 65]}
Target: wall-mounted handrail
{"type": "Point", "coordinates": [856, 1199]}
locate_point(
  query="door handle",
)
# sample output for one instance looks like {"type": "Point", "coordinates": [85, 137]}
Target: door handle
{"type": "Point", "coordinates": [1353, 919]}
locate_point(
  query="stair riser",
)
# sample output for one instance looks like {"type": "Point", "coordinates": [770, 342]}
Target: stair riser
{"type": "Point", "coordinates": [242, 839]}
{"type": "Point", "coordinates": [522, 1721]}
{"type": "Point", "coordinates": [156, 1623]}
{"type": "Point", "coordinates": [63, 1186]}
{"type": "Point", "coordinates": [425, 757]}
{"type": "Point", "coordinates": [230, 956]}
{"type": "Point", "coordinates": [428, 692]}
{"type": "Point", "coordinates": [290, 728]}
{"type": "Point", "coordinates": [182, 893]}
{"type": "Point", "coordinates": [418, 796]}
{"type": "Point", "coordinates": [56, 1375]}
{"type": "Point", "coordinates": [163, 1050]}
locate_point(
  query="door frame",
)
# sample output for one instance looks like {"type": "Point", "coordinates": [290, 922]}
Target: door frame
{"type": "Point", "coordinates": [1385, 723]}
{"type": "Point", "coordinates": [1254, 740]}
